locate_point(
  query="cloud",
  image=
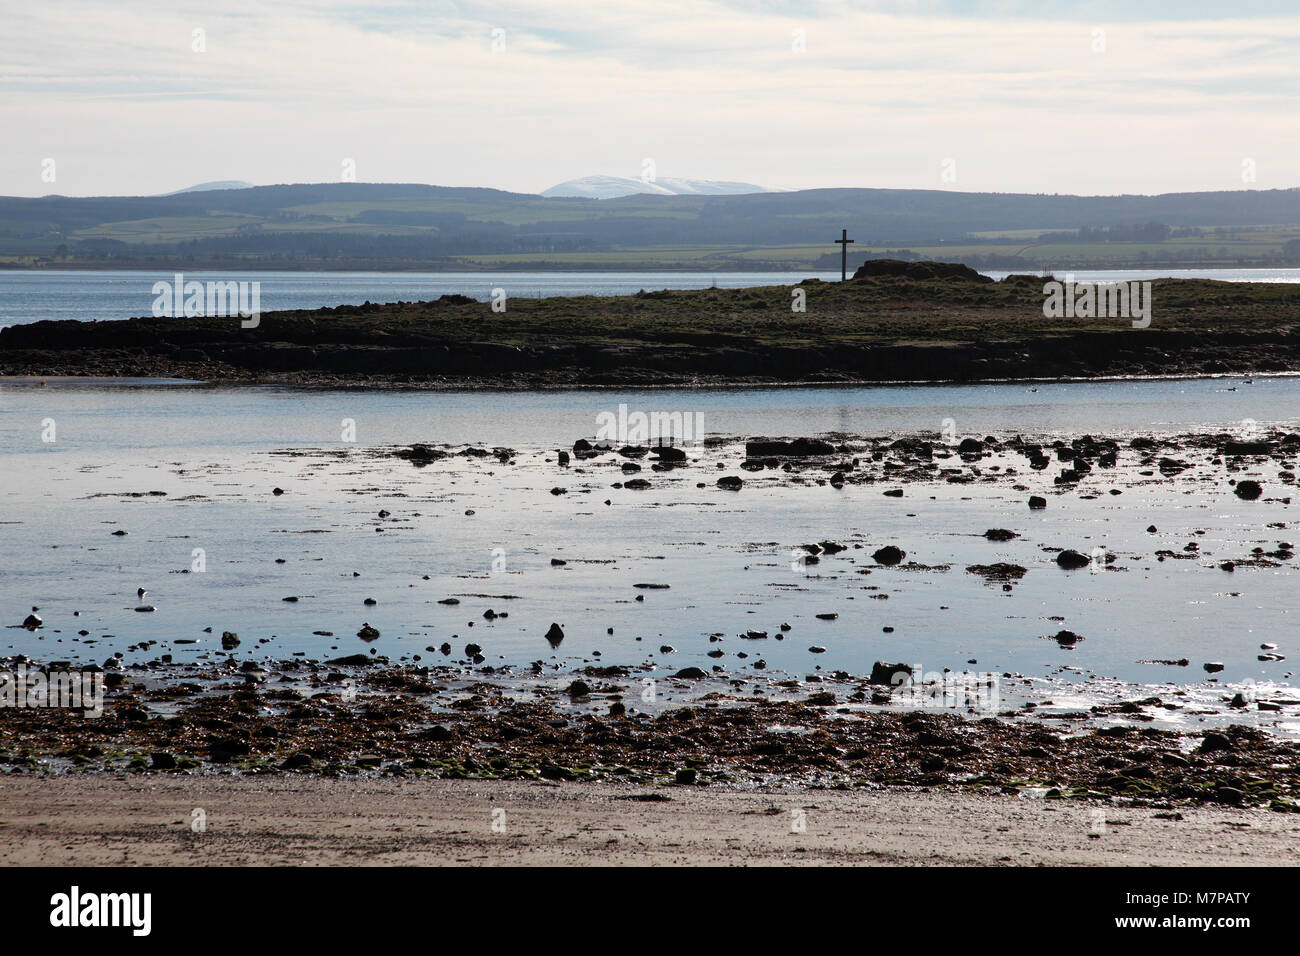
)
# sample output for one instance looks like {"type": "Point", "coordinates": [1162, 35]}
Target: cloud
{"type": "Point", "coordinates": [1088, 99]}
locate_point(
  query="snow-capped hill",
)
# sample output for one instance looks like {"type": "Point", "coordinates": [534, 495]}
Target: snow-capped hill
{"type": "Point", "coordinates": [611, 187]}
{"type": "Point", "coordinates": [605, 187]}
{"type": "Point", "coordinates": [209, 187]}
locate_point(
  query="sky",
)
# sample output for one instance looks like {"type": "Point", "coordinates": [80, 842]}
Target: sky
{"type": "Point", "coordinates": [114, 97]}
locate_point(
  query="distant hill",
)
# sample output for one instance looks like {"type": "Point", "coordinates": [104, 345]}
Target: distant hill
{"type": "Point", "coordinates": [612, 187]}
{"type": "Point", "coordinates": [212, 187]}
{"type": "Point", "coordinates": [412, 226]}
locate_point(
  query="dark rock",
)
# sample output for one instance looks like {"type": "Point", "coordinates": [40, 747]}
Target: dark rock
{"type": "Point", "coordinates": [1248, 490]}
{"type": "Point", "coordinates": [1213, 742]}
{"type": "Point", "coordinates": [1001, 571]}
{"type": "Point", "coordinates": [882, 673]}
{"type": "Point", "coordinates": [1036, 503]}
{"type": "Point", "coordinates": [1071, 560]}
{"type": "Point", "coordinates": [667, 453]}
{"type": "Point", "coordinates": [889, 555]}
{"type": "Point", "coordinates": [918, 271]}
{"type": "Point", "coordinates": [352, 660]}
{"type": "Point", "coordinates": [799, 448]}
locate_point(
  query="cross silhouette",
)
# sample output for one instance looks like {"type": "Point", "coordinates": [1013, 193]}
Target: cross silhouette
{"type": "Point", "coordinates": [843, 243]}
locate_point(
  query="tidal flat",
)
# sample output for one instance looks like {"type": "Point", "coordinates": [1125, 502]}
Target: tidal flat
{"type": "Point", "coordinates": [738, 614]}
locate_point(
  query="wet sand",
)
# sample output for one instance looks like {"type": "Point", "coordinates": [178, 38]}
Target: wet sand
{"type": "Point", "coordinates": [110, 820]}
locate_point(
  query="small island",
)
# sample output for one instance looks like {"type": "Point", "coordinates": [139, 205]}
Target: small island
{"type": "Point", "coordinates": [893, 321]}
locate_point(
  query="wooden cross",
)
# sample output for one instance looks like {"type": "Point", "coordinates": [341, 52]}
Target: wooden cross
{"type": "Point", "coordinates": [843, 243]}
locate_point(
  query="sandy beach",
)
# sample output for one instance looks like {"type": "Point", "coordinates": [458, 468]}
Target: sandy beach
{"type": "Point", "coordinates": [143, 821]}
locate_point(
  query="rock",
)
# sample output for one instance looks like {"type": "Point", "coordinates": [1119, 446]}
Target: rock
{"type": "Point", "coordinates": [1066, 638]}
{"type": "Point", "coordinates": [1000, 534]}
{"type": "Point", "coordinates": [667, 453]}
{"type": "Point", "coordinates": [579, 688]}
{"type": "Point", "coordinates": [799, 448]}
{"type": "Point", "coordinates": [352, 660]}
{"type": "Point", "coordinates": [297, 761]}
{"type": "Point", "coordinates": [1248, 448]}
{"type": "Point", "coordinates": [229, 640]}
{"type": "Point", "coordinates": [1036, 503]}
{"type": "Point", "coordinates": [691, 673]}
{"type": "Point", "coordinates": [970, 446]}
{"type": "Point", "coordinates": [1248, 490]}
{"type": "Point", "coordinates": [564, 459]}
{"type": "Point", "coordinates": [1072, 560]}
{"type": "Point", "coordinates": [555, 634]}
{"type": "Point", "coordinates": [686, 775]}
{"type": "Point", "coordinates": [1212, 667]}
{"type": "Point", "coordinates": [816, 649]}
{"type": "Point", "coordinates": [420, 455]}
{"type": "Point", "coordinates": [368, 633]}
{"type": "Point", "coordinates": [882, 673]}
{"type": "Point", "coordinates": [473, 650]}
{"type": "Point", "coordinates": [277, 491]}
{"type": "Point", "coordinates": [637, 484]}
{"type": "Point", "coordinates": [822, 699]}
{"type": "Point", "coordinates": [889, 555]}
{"type": "Point", "coordinates": [162, 761]}
{"type": "Point", "coordinates": [1229, 795]}
{"type": "Point", "coordinates": [730, 483]}
{"type": "Point", "coordinates": [920, 270]}
{"type": "Point", "coordinates": [33, 621]}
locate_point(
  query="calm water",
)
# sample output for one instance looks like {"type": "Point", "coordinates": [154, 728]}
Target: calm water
{"type": "Point", "coordinates": [217, 453]}
{"type": "Point", "coordinates": [30, 296]}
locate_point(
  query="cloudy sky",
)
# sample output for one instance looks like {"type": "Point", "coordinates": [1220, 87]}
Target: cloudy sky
{"type": "Point", "coordinates": [130, 97]}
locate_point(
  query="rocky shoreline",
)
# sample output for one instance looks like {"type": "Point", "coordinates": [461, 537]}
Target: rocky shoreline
{"type": "Point", "coordinates": [365, 716]}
